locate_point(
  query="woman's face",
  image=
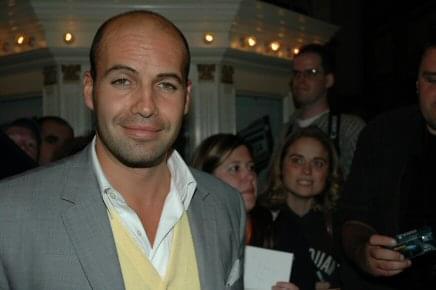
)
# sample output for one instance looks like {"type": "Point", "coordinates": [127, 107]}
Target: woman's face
{"type": "Point", "coordinates": [305, 168]}
{"type": "Point", "coordinates": [238, 171]}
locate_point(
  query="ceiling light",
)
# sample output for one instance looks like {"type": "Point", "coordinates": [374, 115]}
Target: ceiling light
{"type": "Point", "coordinates": [275, 46]}
{"type": "Point", "coordinates": [20, 39]}
{"type": "Point", "coordinates": [208, 38]}
{"type": "Point", "coordinates": [68, 37]}
{"type": "Point", "coordinates": [251, 41]}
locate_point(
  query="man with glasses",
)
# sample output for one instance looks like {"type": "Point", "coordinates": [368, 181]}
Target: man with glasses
{"type": "Point", "coordinates": [312, 78]}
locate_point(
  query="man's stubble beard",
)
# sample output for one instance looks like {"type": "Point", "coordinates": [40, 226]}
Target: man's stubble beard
{"type": "Point", "coordinates": [429, 114]}
{"type": "Point", "coordinates": [132, 153]}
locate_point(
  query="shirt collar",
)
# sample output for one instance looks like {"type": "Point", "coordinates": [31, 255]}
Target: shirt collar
{"type": "Point", "coordinates": [308, 121]}
{"type": "Point", "coordinates": [182, 181]}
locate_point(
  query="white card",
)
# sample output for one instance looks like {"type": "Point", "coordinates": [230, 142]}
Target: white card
{"type": "Point", "coordinates": [263, 268]}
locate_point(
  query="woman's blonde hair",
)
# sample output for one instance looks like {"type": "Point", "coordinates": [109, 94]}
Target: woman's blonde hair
{"type": "Point", "coordinates": [276, 193]}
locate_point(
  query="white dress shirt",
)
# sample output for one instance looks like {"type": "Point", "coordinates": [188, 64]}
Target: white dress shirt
{"type": "Point", "coordinates": [182, 189]}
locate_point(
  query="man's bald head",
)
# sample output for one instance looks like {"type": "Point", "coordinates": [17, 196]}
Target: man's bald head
{"type": "Point", "coordinates": [158, 20]}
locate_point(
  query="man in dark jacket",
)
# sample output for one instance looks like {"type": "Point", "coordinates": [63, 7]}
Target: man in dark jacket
{"type": "Point", "coordinates": [391, 190]}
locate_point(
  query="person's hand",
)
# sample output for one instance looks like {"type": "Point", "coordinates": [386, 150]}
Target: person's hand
{"type": "Point", "coordinates": [322, 286]}
{"type": "Point", "coordinates": [381, 261]}
{"type": "Point", "coordinates": [284, 286]}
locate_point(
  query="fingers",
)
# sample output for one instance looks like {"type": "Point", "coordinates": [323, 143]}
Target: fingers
{"type": "Point", "coordinates": [322, 286]}
{"type": "Point", "coordinates": [285, 286]}
{"type": "Point", "coordinates": [379, 253]}
{"type": "Point", "coordinates": [382, 261]}
{"type": "Point", "coordinates": [384, 241]}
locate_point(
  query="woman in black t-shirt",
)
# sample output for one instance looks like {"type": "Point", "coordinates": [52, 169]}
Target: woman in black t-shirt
{"type": "Point", "coordinates": [303, 187]}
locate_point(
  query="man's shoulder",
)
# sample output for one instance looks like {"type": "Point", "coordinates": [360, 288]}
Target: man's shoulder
{"type": "Point", "coordinates": [209, 184]}
{"type": "Point", "coordinates": [351, 118]}
{"type": "Point", "coordinates": [39, 180]}
{"type": "Point", "coordinates": [395, 126]}
{"type": "Point", "coordinates": [406, 114]}
{"type": "Point", "coordinates": [348, 124]}
{"type": "Point", "coordinates": [399, 118]}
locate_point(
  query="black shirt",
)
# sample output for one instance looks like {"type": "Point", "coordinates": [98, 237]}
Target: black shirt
{"type": "Point", "coordinates": [308, 239]}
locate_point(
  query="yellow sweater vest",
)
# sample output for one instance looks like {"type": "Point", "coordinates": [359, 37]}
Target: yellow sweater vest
{"type": "Point", "coordinates": [139, 273]}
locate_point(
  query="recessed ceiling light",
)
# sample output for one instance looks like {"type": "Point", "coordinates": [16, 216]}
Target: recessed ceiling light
{"type": "Point", "coordinates": [208, 38]}
{"type": "Point", "coordinates": [68, 37]}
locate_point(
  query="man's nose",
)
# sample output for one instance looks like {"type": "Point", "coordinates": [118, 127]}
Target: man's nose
{"type": "Point", "coordinates": [144, 102]}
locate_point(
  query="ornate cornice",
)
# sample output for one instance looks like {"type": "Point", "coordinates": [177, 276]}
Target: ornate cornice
{"type": "Point", "coordinates": [71, 72]}
{"type": "Point", "coordinates": [227, 74]}
{"type": "Point", "coordinates": [206, 72]}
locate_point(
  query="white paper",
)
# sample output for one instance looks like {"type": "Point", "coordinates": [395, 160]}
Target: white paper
{"type": "Point", "coordinates": [263, 268]}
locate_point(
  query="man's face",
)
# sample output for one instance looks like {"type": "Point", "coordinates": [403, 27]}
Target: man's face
{"type": "Point", "coordinates": [53, 137]}
{"type": "Point", "coordinates": [310, 83]}
{"type": "Point", "coordinates": [426, 85]}
{"type": "Point", "coordinates": [140, 94]}
{"type": "Point", "coordinates": [25, 139]}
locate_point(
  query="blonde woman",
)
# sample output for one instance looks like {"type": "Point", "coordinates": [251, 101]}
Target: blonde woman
{"type": "Point", "coordinates": [303, 187]}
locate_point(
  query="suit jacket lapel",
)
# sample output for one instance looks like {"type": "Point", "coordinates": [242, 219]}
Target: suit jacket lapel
{"type": "Point", "coordinates": [87, 224]}
{"type": "Point", "coordinates": [202, 221]}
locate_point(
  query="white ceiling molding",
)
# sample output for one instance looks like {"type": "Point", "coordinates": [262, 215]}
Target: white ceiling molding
{"type": "Point", "coordinates": [230, 21]}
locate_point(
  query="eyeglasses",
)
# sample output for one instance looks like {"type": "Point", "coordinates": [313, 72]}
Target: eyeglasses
{"type": "Point", "coordinates": [307, 74]}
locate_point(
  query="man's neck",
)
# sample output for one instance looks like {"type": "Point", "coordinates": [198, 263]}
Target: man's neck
{"type": "Point", "coordinates": [144, 189]}
{"type": "Point", "coordinates": [310, 112]}
{"type": "Point", "coordinates": [139, 184]}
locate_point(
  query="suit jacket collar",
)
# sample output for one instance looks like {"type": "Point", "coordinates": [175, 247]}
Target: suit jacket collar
{"type": "Point", "coordinates": [87, 224]}
{"type": "Point", "coordinates": [202, 219]}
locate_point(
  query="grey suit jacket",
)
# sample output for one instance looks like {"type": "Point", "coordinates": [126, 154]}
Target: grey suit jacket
{"type": "Point", "coordinates": [55, 233]}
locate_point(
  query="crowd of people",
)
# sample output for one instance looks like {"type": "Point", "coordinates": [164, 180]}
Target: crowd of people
{"type": "Point", "coordinates": [125, 211]}
{"type": "Point", "coordinates": [41, 140]}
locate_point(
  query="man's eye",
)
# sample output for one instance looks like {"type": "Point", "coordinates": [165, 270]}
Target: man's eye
{"type": "Point", "coordinates": [167, 86]}
{"type": "Point", "coordinates": [430, 78]}
{"type": "Point", "coordinates": [121, 82]}
{"type": "Point", "coordinates": [50, 139]}
{"type": "Point", "coordinates": [31, 145]}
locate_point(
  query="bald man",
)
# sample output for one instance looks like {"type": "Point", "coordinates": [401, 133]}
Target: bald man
{"type": "Point", "coordinates": [127, 212]}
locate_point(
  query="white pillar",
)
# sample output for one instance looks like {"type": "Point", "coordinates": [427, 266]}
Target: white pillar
{"type": "Point", "coordinates": [63, 97]}
{"type": "Point", "coordinates": [213, 103]}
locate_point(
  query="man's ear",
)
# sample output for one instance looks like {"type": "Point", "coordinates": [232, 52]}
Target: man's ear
{"type": "Point", "coordinates": [88, 88]}
{"type": "Point", "coordinates": [330, 80]}
{"type": "Point", "coordinates": [188, 97]}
